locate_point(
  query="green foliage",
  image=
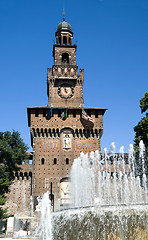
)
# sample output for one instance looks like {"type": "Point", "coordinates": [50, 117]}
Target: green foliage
{"type": "Point", "coordinates": [141, 133]}
{"type": "Point", "coordinates": [144, 103]}
{"type": "Point", "coordinates": [3, 214]}
{"type": "Point", "coordinates": [141, 130]}
{"type": "Point", "coordinates": [12, 153]}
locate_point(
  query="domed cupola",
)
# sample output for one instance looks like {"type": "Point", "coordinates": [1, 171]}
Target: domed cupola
{"type": "Point", "coordinates": [64, 26]}
{"type": "Point", "coordinates": [64, 33]}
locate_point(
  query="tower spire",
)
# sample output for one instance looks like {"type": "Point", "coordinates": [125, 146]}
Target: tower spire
{"type": "Point", "coordinates": [63, 15]}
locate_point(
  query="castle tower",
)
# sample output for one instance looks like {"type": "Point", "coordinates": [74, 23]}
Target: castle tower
{"type": "Point", "coordinates": [64, 128]}
{"type": "Point", "coordinates": [63, 78]}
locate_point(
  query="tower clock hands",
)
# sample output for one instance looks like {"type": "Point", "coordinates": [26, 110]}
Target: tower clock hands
{"type": "Point", "coordinates": [65, 89]}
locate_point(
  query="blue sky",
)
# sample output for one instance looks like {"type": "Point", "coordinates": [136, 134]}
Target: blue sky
{"type": "Point", "coordinates": [112, 39]}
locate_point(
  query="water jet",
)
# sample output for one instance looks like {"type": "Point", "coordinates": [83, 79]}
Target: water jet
{"type": "Point", "coordinates": [104, 204]}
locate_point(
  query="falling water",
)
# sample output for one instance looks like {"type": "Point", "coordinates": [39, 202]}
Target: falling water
{"type": "Point", "coordinates": [44, 230]}
{"type": "Point", "coordinates": [102, 223]}
{"type": "Point", "coordinates": [108, 178]}
{"type": "Point", "coordinates": [142, 156]}
{"type": "Point", "coordinates": [108, 200]}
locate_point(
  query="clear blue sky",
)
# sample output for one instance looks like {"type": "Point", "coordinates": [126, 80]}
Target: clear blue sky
{"type": "Point", "coordinates": [112, 39]}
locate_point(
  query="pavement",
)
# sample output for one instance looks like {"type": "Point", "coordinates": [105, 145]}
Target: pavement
{"type": "Point", "coordinates": [3, 237]}
{"type": "Point", "coordinates": [9, 238]}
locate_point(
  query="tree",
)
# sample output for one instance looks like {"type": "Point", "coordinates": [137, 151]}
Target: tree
{"type": "Point", "coordinates": [12, 153]}
{"type": "Point", "coordinates": [141, 129]}
{"type": "Point", "coordinates": [141, 133]}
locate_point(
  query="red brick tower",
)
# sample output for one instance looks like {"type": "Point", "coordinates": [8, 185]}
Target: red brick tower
{"type": "Point", "coordinates": [64, 128]}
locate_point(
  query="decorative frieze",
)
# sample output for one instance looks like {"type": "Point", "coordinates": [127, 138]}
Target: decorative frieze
{"type": "Point", "coordinates": [47, 145]}
{"type": "Point", "coordinates": [82, 145]}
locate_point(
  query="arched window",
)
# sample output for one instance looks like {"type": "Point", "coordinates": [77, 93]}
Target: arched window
{"type": "Point", "coordinates": [65, 58]}
{"type": "Point", "coordinates": [69, 40]}
{"type": "Point", "coordinates": [60, 40]}
{"type": "Point", "coordinates": [42, 161]}
{"type": "Point", "coordinates": [65, 40]}
{"type": "Point", "coordinates": [67, 160]}
{"type": "Point", "coordinates": [54, 161]}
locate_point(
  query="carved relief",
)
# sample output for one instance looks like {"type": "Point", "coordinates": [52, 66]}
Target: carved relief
{"type": "Point", "coordinates": [67, 141]}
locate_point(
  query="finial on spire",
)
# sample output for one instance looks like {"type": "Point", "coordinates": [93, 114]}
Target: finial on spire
{"type": "Point", "coordinates": [63, 15]}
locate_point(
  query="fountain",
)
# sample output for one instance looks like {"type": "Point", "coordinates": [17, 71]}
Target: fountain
{"type": "Point", "coordinates": [44, 229]}
{"type": "Point", "coordinates": [108, 179]}
{"type": "Point", "coordinates": [108, 200]}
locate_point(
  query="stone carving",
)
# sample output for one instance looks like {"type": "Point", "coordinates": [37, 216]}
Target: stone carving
{"type": "Point", "coordinates": [67, 141]}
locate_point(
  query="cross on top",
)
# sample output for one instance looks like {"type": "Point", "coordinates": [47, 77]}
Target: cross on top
{"type": "Point", "coordinates": [63, 15]}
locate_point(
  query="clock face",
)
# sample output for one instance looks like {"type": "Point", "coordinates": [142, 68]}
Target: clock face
{"type": "Point", "coordinates": [65, 91]}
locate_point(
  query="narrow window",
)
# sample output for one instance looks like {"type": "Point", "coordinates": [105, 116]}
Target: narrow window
{"type": "Point", "coordinates": [46, 182]}
{"type": "Point", "coordinates": [65, 58]}
{"type": "Point", "coordinates": [65, 40]}
{"type": "Point", "coordinates": [30, 161]}
{"type": "Point", "coordinates": [55, 161]}
{"type": "Point", "coordinates": [60, 40]}
{"type": "Point", "coordinates": [42, 161]}
{"type": "Point", "coordinates": [67, 160]}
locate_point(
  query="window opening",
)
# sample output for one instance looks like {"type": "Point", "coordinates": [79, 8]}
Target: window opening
{"type": "Point", "coordinates": [67, 160]}
{"type": "Point", "coordinates": [42, 161]}
{"type": "Point", "coordinates": [65, 40]}
{"type": "Point", "coordinates": [30, 161]}
{"type": "Point", "coordinates": [46, 182]}
{"type": "Point", "coordinates": [55, 161]}
{"type": "Point", "coordinates": [60, 40]}
{"type": "Point", "coordinates": [65, 58]}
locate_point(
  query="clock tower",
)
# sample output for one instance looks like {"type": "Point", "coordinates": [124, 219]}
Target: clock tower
{"type": "Point", "coordinates": [64, 84]}
{"type": "Point", "coordinates": [64, 128]}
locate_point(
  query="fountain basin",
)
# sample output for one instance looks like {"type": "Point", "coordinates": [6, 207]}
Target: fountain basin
{"type": "Point", "coordinates": [101, 223]}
